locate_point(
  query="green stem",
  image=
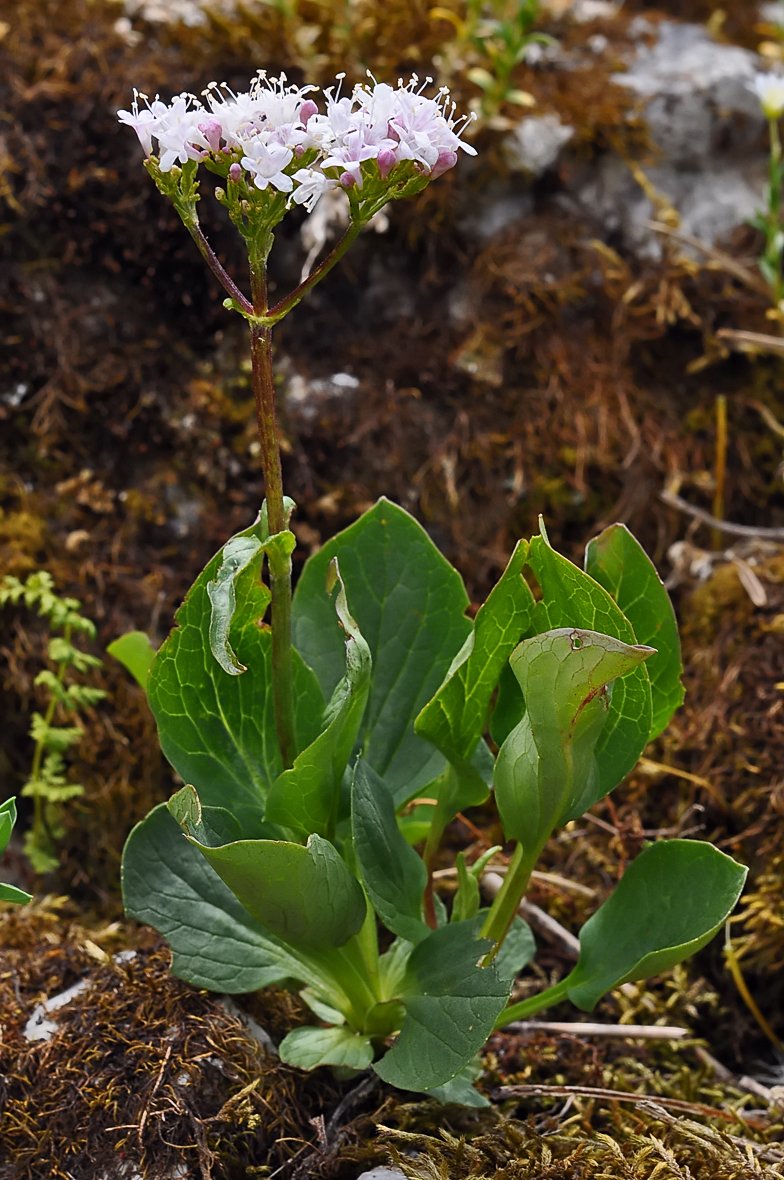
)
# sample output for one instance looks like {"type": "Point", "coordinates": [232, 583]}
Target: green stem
{"type": "Point", "coordinates": [211, 258]}
{"type": "Point", "coordinates": [39, 819]}
{"type": "Point", "coordinates": [507, 900]}
{"type": "Point", "coordinates": [348, 968]}
{"type": "Point", "coordinates": [279, 563]}
{"type": "Point", "coordinates": [545, 999]}
{"type": "Point", "coordinates": [291, 300]}
{"type": "Point", "coordinates": [774, 209]}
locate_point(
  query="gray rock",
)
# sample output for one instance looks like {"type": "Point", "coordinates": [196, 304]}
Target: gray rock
{"type": "Point", "coordinates": [708, 128]}
{"type": "Point", "coordinates": [383, 1172]}
{"type": "Point", "coordinates": [536, 143]}
{"type": "Point", "coordinates": [698, 94]}
{"type": "Point", "coordinates": [494, 211]}
{"type": "Point", "coordinates": [711, 202]}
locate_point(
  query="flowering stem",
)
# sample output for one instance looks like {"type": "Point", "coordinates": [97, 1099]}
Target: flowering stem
{"type": "Point", "coordinates": [774, 209]}
{"type": "Point", "coordinates": [211, 258]}
{"type": "Point", "coordinates": [279, 563]}
{"type": "Point", "coordinates": [507, 900]}
{"type": "Point", "coordinates": [294, 297]}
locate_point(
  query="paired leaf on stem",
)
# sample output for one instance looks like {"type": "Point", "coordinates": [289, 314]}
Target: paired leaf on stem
{"type": "Point", "coordinates": [547, 772]}
{"type": "Point", "coordinates": [451, 1007]}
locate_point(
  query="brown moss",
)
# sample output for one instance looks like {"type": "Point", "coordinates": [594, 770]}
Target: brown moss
{"type": "Point", "coordinates": [142, 1071]}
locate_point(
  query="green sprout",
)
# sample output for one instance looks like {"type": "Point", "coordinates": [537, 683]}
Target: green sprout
{"type": "Point", "coordinates": [500, 33]}
{"type": "Point", "coordinates": [47, 784]}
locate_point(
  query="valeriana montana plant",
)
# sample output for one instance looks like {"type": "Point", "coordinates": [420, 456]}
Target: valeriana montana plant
{"type": "Point", "coordinates": [319, 749]}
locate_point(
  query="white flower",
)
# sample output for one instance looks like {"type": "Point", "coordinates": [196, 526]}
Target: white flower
{"type": "Point", "coordinates": [311, 184]}
{"type": "Point", "coordinates": [266, 164]}
{"type": "Point", "coordinates": [274, 121]}
{"type": "Point", "coordinates": [270, 110]}
{"type": "Point", "coordinates": [144, 122]}
{"type": "Point", "coordinates": [179, 138]}
{"type": "Point", "coordinates": [769, 89]}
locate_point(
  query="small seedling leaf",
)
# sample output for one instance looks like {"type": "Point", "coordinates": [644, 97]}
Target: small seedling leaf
{"type": "Point", "coordinates": [136, 653]}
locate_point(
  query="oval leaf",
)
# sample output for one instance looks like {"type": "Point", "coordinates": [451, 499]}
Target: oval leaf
{"type": "Point", "coordinates": [573, 599]}
{"type": "Point", "coordinates": [546, 771]}
{"type": "Point", "coordinates": [309, 1047]}
{"type": "Point", "coordinates": [216, 944]}
{"type": "Point", "coordinates": [393, 874]}
{"type": "Point", "coordinates": [136, 653]}
{"type": "Point", "coordinates": [451, 1006]}
{"type": "Point", "coordinates": [619, 563]}
{"type": "Point", "coordinates": [669, 903]}
{"type": "Point", "coordinates": [409, 604]}
{"type": "Point", "coordinates": [218, 731]}
{"type": "Point", "coordinates": [455, 719]}
{"type": "Point", "coordinates": [304, 895]}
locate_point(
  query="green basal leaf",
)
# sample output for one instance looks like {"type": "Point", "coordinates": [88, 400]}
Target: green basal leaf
{"type": "Point", "coordinates": [409, 604]}
{"type": "Point", "coordinates": [669, 903]}
{"type": "Point", "coordinates": [304, 895]}
{"type": "Point", "coordinates": [216, 944]}
{"type": "Point", "coordinates": [321, 1009]}
{"type": "Point", "coordinates": [573, 599]}
{"type": "Point", "coordinates": [136, 653]}
{"type": "Point", "coordinates": [546, 771]}
{"type": "Point", "coordinates": [466, 903]}
{"type": "Point", "coordinates": [7, 821]}
{"type": "Point", "coordinates": [217, 730]}
{"type": "Point", "coordinates": [308, 1047]}
{"type": "Point", "coordinates": [517, 950]}
{"type": "Point", "coordinates": [455, 719]}
{"type": "Point", "coordinates": [451, 1006]}
{"type": "Point", "coordinates": [619, 563]}
{"type": "Point", "coordinates": [305, 798]}
{"type": "Point", "coordinates": [509, 706]}
{"type": "Point", "coordinates": [460, 1089]}
{"type": "Point", "coordinates": [393, 875]}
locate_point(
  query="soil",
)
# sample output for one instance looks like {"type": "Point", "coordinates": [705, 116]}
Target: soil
{"type": "Point", "coordinates": [574, 386]}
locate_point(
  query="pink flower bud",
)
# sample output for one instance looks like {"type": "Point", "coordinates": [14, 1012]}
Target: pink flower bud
{"type": "Point", "coordinates": [299, 151]}
{"type": "Point", "coordinates": [347, 180]}
{"type": "Point", "coordinates": [386, 162]}
{"type": "Point", "coordinates": [211, 130]}
{"type": "Point", "coordinates": [445, 161]}
{"type": "Point", "coordinates": [307, 110]}
{"type": "Point", "coordinates": [235, 173]}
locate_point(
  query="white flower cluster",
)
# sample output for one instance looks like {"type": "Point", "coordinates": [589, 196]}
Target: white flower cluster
{"type": "Point", "coordinates": [266, 132]}
{"type": "Point", "coordinates": [769, 89]}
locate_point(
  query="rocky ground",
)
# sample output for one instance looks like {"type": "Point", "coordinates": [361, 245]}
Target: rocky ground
{"type": "Point", "coordinates": [536, 333]}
